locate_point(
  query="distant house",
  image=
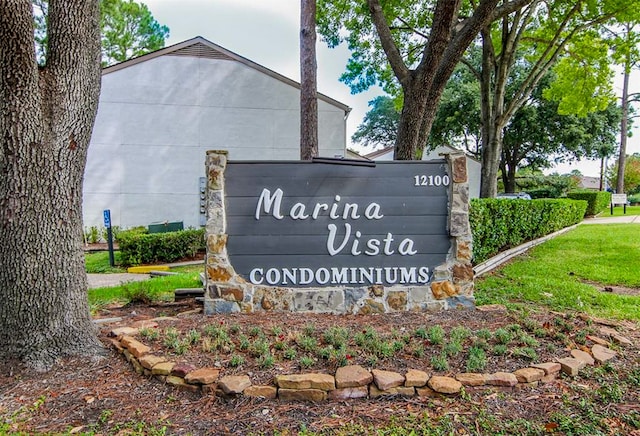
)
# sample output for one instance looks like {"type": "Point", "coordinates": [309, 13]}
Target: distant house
{"type": "Point", "coordinates": [473, 165]}
{"type": "Point", "coordinates": [588, 182]}
{"type": "Point", "coordinates": [159, 113]}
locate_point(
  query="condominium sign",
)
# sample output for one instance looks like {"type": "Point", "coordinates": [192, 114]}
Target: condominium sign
{"type": "Point", "coordinates": [324, 224]}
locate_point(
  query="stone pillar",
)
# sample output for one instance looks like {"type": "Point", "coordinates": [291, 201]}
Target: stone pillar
{"type": "Point", "coordinates": [220, 294]}
{"type": "Point", "coordinates": [453, 281]}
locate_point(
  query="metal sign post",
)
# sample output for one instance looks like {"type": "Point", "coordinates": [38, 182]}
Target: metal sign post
{"type": "Point", "coordinates": [107, 224]}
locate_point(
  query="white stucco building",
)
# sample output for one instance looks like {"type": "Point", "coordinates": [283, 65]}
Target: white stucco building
{"type": "Point", "coordinates": [474, 166]}
{"type": "Point", "coordinates": [159, 114]}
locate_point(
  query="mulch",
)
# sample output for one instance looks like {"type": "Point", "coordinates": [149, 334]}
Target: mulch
{"type": "Point", "coordinates": [105, 395]}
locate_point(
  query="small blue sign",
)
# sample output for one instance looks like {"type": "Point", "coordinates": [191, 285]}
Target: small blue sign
{"type": "Point", "coordinates": [107, 218]}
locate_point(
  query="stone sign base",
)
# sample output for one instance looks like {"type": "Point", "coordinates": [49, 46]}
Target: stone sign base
{"type": "Point", "coordinates": [354, 300]}
{"type": "Point", "coordinates": [451, 284]}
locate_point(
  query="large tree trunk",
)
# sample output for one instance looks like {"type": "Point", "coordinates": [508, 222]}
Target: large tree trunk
{"type": "Point", "coordinates": [308, 81]}
{"type": "Point", "coordinates": [622, 156]}
{"type": "Point", "coordinates": [46, 118]}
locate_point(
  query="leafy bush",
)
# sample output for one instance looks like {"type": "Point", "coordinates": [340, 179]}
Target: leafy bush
{"type": "Point", "coordinates": [499, 224]}
{"type": "Point", "coordinates": [138, 247]}
{"type": "Point", "coordinates": [597, 200]}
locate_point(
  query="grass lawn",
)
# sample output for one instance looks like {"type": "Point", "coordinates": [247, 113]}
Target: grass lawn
{"type": "Point", "coordinates": [559, 273]}
{"type": "Point", "coordinates": [98, 263]}
{"type": "Point", "coordinates": [619, 211]}
{"type": "Point", "coordinates": [155, 289]}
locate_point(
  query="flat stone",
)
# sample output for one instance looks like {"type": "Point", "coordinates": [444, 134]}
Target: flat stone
{"type": "Point", "coordinates": [471, 379]}
{"type": "Point", "coordinates": [416, 378]}
{"type": "Point", "coordinates": [101, 321]}
{"type": "Point", "coordinates": [598, 340]}
{"type": "Point", "coordinates": [164, 319]}
{"type": "Point", "coordinates": [144, 324]}
{"type": "Point", "coordinates": [348, 393]}
{"type": "Point", "coordinates": [269, 392]}
{"type": "Point", "coordinates": [163, 368]}
{"type": "Point", "coordinates": [314, 395]}
{"type": "Point", "coordinates": [608, 331]}
{"type": "Point", "coordinates": [202, 376]}
{"type": "Point", "coordinates": [116, 344]}
{"type": "Point", "coordinates": [502, 379]}
{"type": "Point", "coordinates": [352, 376]}
{"type": "Point", "coordinates": [427, 392]}
{"type": "Point", "coordinates": [180, 383]}
{"type": "Point", "coordinates": [149, 360]}
{"type": "Point", "coordinates": [234, 384]}
{"type": "Point", "coordinates": [529, 375]}
{"type": "Point", "coordinates": [136, 348]}
{"type": "Point", "coordinates": [374, 392]}
{"type": "Point", "coordinates": [387, 379]}
{"type": "Point", "coordinates": [123, 331]}
{"type": "Point", "coordinates": [397, 300]}
{"type": "Point", "coordinates": [182, 369]}
{"type": "Point", "coordinates": [549, 377]}
{"type": "Point", "coordinates": [548, 367]}
{"type": "Point", "coordinates": [492, 308]}
{"type": "Point", "coordinates": [622, 340]}
{"type": "Point", "coordinates": [444, 385]}
{"type": "Point", "coordinates": [324, 382]}
{"type": "Point", "coordinates": [584, 356]}
{"type": "Point", "coordinates": [529, 385]}
{"type": "Point", "coordinates": [613, 333]}
{"type": "Point", "coordinates": [571, 366]}
{"type": "Point", "coordinates": [137, 367]}
{"type": "Point", "coordinates": [602, 354]}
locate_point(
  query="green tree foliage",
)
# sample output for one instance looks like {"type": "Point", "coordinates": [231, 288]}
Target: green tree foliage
{"type": "Point", "coordinates": [557, 34]}
{"type": "Point", "coordinates": [380, 124]}
{"type": "Point", "coordinates": [538, 185]}
{"type": "Point", "coordinates": [538, 136]}
{"type": "Point", "coordinates": [128, 30]}
{"type": "Point", "coordinates": [631, 174]}
{"type": "Point", "coordinates": [410, 48]}
{"type": "Point", "coordinates": [458, 121]}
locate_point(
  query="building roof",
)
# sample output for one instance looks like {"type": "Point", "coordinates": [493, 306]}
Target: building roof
{"type": "Point", "coordinates": [203, 48]}
{"type": "Point", "coordinates": [588, 182]}
{"type": "Point", "coordinates": [375, 154]}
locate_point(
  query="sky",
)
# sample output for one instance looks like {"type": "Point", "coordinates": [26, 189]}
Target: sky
{"type": "Point", "coordinates": [267, 32]}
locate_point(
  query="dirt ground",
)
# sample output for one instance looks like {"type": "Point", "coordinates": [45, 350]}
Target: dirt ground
{"type": "Point", "coordinates": [104, 395]}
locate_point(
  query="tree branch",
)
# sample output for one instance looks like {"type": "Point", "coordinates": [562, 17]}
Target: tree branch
{"type": "Point", "coordinates": [386, 40]}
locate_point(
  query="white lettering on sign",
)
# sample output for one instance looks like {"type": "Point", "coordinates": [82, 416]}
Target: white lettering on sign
{"type": "Point", "coordinates": [340, 276]}
{"type": "Point", "coordinates": [271, 204]}
{"type": "Point", "coordinates": [373, 245]}
{"type": "Point", "coordinates": [618, 198]}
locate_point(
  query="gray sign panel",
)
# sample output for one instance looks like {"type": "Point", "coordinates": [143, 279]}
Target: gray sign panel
{"type": "Point", "coordinates": [307, 224]}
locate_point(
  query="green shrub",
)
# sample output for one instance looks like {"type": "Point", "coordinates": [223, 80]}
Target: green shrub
{"type": "Point", "coordinates": [597, 200]}
{"type": "Point", "coordinates": [138, 247]}
{"type": "Point", "coordinates": [499, 224]}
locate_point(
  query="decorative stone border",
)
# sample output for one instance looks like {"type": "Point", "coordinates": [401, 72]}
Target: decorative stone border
{"type": "Point", "coordinates": [352, 381]}
{"type": "Point", "coordinates": [227, 292]}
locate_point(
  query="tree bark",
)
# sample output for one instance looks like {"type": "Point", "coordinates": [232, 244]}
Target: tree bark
{"type": "Point", "coordinates": [46, 118]}
{"type": "Point", "coordinates": [622, 155]}
{"type": "Point", "coordinates": [423, 86]}
{"type": "Point", "coordinates": [308, 81]}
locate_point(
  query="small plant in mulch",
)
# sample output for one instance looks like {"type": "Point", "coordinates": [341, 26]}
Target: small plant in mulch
{"type": "Point", "coordinates": [477, 360]}
{"type": "Point", "coordinates": [439, 362]}
{"type": "Point", "coordinates": [435, 334]}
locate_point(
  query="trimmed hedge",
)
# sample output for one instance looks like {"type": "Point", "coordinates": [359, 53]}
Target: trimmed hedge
{"type": "Point", "coordinates": [500, 224]}
{"type": "Point", "coordinates": [138, 247]}
{"type": "Point", "coordinates": [598, 200]}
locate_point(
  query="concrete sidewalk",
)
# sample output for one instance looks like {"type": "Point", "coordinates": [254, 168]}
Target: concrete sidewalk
{"type": "Point", "coordinates": [604, 219]}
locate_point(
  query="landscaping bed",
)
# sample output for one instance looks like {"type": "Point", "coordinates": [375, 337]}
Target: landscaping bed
{"type": "Point", "coordinates": [108, 397]}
